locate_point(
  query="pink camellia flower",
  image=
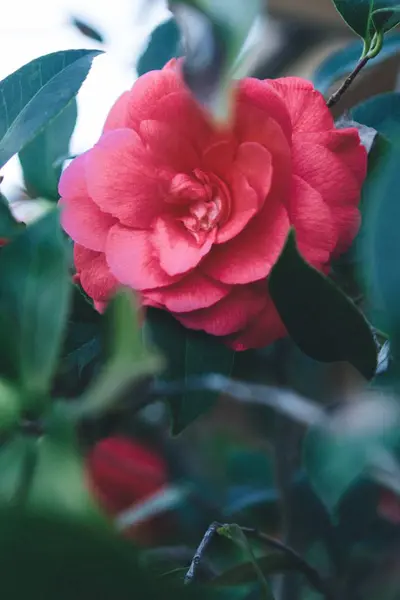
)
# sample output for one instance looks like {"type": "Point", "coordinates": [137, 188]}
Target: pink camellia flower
{"type": "Point", "coordinates": [194, 217]}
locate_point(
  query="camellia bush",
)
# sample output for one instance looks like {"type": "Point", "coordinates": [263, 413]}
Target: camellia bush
{"type": "Point", "coordinates": [225, 250]}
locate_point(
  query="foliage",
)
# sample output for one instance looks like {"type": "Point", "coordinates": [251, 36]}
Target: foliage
{"type": "Point", "coordinates": [299, 442]}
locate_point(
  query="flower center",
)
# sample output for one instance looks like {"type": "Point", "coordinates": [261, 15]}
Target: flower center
{"type": "Point", "coordinates": [204, 200]}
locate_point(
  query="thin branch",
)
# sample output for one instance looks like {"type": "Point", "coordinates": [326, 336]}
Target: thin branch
{"type": "Point", "coordinates": [205, 542]}
{"type": "Point", "coordinates": [347, 83]}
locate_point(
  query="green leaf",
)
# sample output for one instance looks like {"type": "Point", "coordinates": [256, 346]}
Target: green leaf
{"type": "Point", "coordinates": [34, 298]}
{"type": "Point", "coordinates": [188, 353]}
{"type": "Point", "coordinates": [244, 573]}
{"type": "Point", "coordinates": [9, 226]}
{"type": "Point", "coordinates": [382, 113]}
{"type": "Point", "coordinates": [37, 93]}
{"type": "Point", "coordinates": [366, 17]}
{"type": "Point", "coordinates": [340, 63]}
{"type": "Point", "coordinates": [128, 358]}
{"type": "Point", "coordinates": [163, 45]}
{"type": "Point", "coordinates": [234, 533]}
{"type": "Point", "coordinates": [214, 34]}
{"type": "Point", "coordinates": [379, 243]}
{"type": "Point", "coordinates": [338, 453]}
{"type": "Point", "coordinates": [14, 455]}
{"type": "Point", "coordinates": [40, 159]}
{"type": "Point", "coordinates": [321, 320]}
{"type": "Point", "coordinates": [58, 484]}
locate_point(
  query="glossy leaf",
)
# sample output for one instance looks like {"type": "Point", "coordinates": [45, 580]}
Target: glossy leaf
{"type": "Point", "coordinates": [322, 321]}
{"type": "Point", "coordinates": [34, 298]}
{"type": "Point", "coordinates": [164, 44]}
{"type": "Point", "coordinates": [340, 63]}
{"type": "Point", "coordinates": [366, 17]}
{"type": "Point", "coordinates": [188, 353]}
{"type": "Point", "coordinates": [36, 93]}
{"type": "Point", "coordinates": [40, 159]}
{"type": "Point", "coordinates": [379, 243]}
{"type": "Point", "coordinates": [128, 358]}
{"type": "Point", "coordinates": [214, 34]}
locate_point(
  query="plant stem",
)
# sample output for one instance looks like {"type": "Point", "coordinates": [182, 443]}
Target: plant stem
{"type": "Point", "coordinates": [205, 542]}
{"type": "Point", "coordinates": [347, 83]}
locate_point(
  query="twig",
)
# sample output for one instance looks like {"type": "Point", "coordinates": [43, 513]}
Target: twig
{"type": "Point", "coordinates": [347, 83]}
{"type": "Point", "coordinates": [311, 574]}
{"type": "Point", "coordinates": [205, 542]}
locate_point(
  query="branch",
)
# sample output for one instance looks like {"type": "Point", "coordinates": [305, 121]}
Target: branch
{"type": "Point", "coordinates": [205, 542]}
{"type": "Point", "coordinates": [347, 83]}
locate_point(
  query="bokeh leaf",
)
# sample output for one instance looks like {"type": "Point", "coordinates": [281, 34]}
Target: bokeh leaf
{"type": "Point", "coordinates": [128, 358]}
{"type": "Point", "coordinates": [188, 353]}
{"type": "Point", "coordinates": [37, 93]}
{"type": "Point", "coordinates": [34, 298]}
{"type": "Point", "coordinates": [164, 44]}
{"type": "Point", "coordinates": [322, 321]}
{"type": "Point", "coordinates": [382, 113]}
{"type": "Point", "coordinates": [244, 573]}
{"type": "Point", "coordinates": [9, 226]}
{"type": "Point", "coordinates": [40, 159]}
{"type": "Point", "coordinates": [214, 33]}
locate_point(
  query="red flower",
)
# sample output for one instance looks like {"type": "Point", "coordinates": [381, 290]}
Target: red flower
{"type": "Point", "coordinates": [194, 217]}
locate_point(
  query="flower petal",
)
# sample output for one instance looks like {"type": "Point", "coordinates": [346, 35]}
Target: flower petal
{"type": "Point", "coordinates": [84, 222]}
{"type": "Point", "coordinates": [193, 292]}
{"type": "Point", "coordinates": [229, 315]}
{"type": "Point", "coordinates": [307, 106]}
{"type": "Point", "coordinates": [218, 158]}
{"type": "Point", "coordinates": [262, 331]}
{"type": "Point", "coordinates": [176, 247]}
{"type": "Point", "coordinates": [168, 146]}
{"type": "Point", "coordinates": [255, 162]}
{"type": "Point", "coordinates": [122, 181]}
{"type": "Point", "coordinates": [94, 275]}
{"type": "Point", "coordinates": [316, 234]}
{"type": "Point", "coordinates": [251, 255]}
{"type": "Point", "coordinates": [73, 178]}
{"type": "Point", "coordinates": [244, 205]}
{"type": "Point", "coordinates": [132, 259]}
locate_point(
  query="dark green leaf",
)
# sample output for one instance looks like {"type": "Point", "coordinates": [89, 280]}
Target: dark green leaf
{"type": "Point", "coordinates": [14, 455]}
{"type": "Point", "coordinates": [8, 225]}
{"type": "Point", "coordinates": [322, 321]}
{"type": "Point", "coordinates": [128, 358]}
{"type": "Point", "coordinates": [366, 17]}
{"type": "Point", "coordinates": [40, 159]}
{"type": "Point", "coordinates": [243, 574]}
{"type": "Point", "coordinates": [34, 297]}
{"type": "Point", "coordinates": [163, 45]}
{"type": "Point", "coordinates": [340, 63]}
{"type": "Point", "coordinates": [87, 30]}
{"type": "Point", "coordinates": [37, 93]}
{"type": "Point", "coordinates": [382, 113]}
{"type": "Point", "coordinates": [188, 353]}
{"type": "Point", "coordinates": [214, 34]}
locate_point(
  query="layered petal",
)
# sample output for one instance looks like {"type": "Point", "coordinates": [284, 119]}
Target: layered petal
{"type": "Point", "coordinates": [316, 234]}
{"type": "Point", "coordinates": [193, 292]}
{"type": "Point", "coordinates": [118, 117]}
{"type": "Point", "coordinates": [72, 182]}
{"type": "Point", "coordinates": [229, 315]}
{"type": "Point", "coordinates": [245, 203]}
{"type": "Point", "coordinates": [306, 106]}
{"type": "Point", "coordinates": [251, 255]}
{"type": "Point", "coordinates": [132, 259]}
{"type": "Point", "coordinates": [264, 329]}
{"type": "Point", "coordinates": [168, 146]}
{"type": "Point", "coordinates": [122, 180]}
{"type": "Point", "coordinates": [85, 223]}
{"type": "Point", "coordinates": [94, 275]}
{"type": "Point", "coordinates": [177, 249]}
